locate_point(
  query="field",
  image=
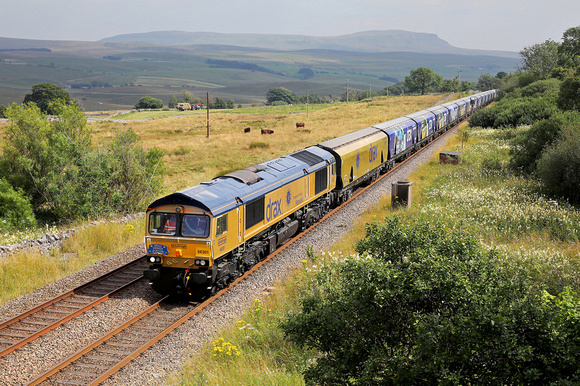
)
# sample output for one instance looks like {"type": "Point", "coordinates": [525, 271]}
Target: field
{"type": "Point", "coordinates": [191, 157]}
{"type": "Point", "coordinates": [134, 70]}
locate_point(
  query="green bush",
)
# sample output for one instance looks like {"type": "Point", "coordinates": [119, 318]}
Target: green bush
{"type": "Point", "coordinates": [527, 148]}
{"type": "Point", "coordinates": [484, 117]}
{"type": "Point", "coordinates": [548, 88]}
{"type": "Point", "coordinates": [559, 166]}
{"type": "Point", "coordinates": [523, 111]}
{"type": "Point", "coordinates": [15, 209]}
{"type": "Point", "coordinates": [148, 102]}
{"type": "Point", "coordinates": [569, 96]}
{"type": "Point", "coordinates": [424, 305]}
{"type": "Point", "coordinates": [516, 111]}
{"type": "Point", "coordinates": [66, 178]}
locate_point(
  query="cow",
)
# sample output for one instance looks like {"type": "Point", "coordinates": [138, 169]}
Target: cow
{"type": "Point", "coordinates": [299, 124]}
{"type": "Point", "coordinates": [247, 130]}
{"type": "Point", "coordinates": [267, 131]}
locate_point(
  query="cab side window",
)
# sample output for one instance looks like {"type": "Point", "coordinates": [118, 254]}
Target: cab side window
{"type": "Point", "coordinates": [221, 225]}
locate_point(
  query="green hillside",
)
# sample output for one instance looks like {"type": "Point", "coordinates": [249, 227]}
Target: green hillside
{"type": "Point", "coordinates": [132, 70]}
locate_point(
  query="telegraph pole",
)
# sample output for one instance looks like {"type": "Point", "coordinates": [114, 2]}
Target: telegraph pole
{"type": "Point", "coordinates": [307, 103]}
{"type": "Point", "coordinates": [207, 105]}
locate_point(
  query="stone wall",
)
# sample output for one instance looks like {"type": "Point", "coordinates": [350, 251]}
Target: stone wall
{"type": "Point", "coordinates": [48, 242]}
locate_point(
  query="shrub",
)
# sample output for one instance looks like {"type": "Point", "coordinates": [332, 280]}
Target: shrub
{"type": "Point", "coordinates": [15, 209]}
{"type": "Point", "coordinates": [483, 117]}
{"type": "Point", "coordinates": [548, 88]}
{"type": "Point", "coordinates": [422, 305]}
{"type": "Point", "coordinates": [512, 112]}
{"type": "Point", "coordinates": [559, 166]}
{"type": "Point", "coordinates": [524, 111]}
{"type": "Point", "coordinates": [569, 96]}
{"type": "Point", "coordinates": [66, 178]}
{"type": "Point", "coordinates": [148, 102]}
{"type": "Point", "coordinates": [528, 147]}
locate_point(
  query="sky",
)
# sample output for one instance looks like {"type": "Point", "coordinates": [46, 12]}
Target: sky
{"type": "Point", "coordinates": [508, 25]}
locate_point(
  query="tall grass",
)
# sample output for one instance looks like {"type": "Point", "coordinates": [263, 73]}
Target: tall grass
{"type": "Point", "coordinates": [191, 157]}
{"type": "Point", "coordinates": [251, 352]}
{"type": "Point", "coordinates": [28, 270]}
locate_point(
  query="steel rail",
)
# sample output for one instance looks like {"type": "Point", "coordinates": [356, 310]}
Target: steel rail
{"type": "Point", "coordinates": [63, 297]}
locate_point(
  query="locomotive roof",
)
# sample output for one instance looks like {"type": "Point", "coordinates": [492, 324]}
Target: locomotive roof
{"type": "Point", "coordinates": [349, 138]}
{"type": "Point", "coordinates": [227, 192]}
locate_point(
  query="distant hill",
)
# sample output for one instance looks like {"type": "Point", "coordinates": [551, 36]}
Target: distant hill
{"type": "Point", "coordinates": [369, 41]}
{"type": "Point", "coordinates": [113, 75]}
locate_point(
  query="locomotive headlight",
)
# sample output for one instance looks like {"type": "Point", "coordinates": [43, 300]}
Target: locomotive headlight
{"type": "Point", "coordinates": [152, 259]}
{"type": "Point", "coordinates": [155, 259]}
{"type": "Point", "coordinates": [201, 262]}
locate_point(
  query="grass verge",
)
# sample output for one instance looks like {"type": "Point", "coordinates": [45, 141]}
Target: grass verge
{"type": "Point", "coordinates": [26, 271]}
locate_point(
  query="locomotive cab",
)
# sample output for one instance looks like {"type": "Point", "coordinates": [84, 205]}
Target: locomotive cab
{"type": "Point", "coordinates": [179, 250]}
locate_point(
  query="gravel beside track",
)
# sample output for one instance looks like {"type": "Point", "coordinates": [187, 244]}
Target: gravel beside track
{"type": "Point", "coordinates": [169, 354]}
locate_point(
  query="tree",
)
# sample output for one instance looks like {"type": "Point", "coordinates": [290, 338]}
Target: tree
{"type": "Point", "coordinates": [279, 95]}
{"type": "Point", "coordinates": [569, 50]}
{"type": "Point", "coordinates": [450, 85]}
{"type": "Point", "coordinates": [15, 209]}
{"type": "Point", "coordinates": [172, 102]}
{"type": "Point", "coordinates": [218, 104]}
{"type": "Point", "coordinates": [466, 86]}
{"type": "Point", "coordinates": [366, 94]}
{"type": "Point", "coordinates": [305, 73]}
{"type": "Point", "coordinates": [148, 102]}
{"type": "Point", "coordinates": [559, 166]}
{"type": "Point", "coordinates": [188, 97]}
{"type": "Point", "coordinates": [423, 80]}
{"type": "Point", "coordinates": [44, 93]}
{"type": "Point", "coordinates": [230, 104]}
{"type": "Point", "coordinates": [39, 152]}
{"type": "Point", "coordinates": [65, 178]}
{"type": "Point", "coordinates": [395, 89]}
{"type": "Point", "coordinates": [422, 304]}
{"type": "Point", "coordinates": [502, 74]}
{"type": "Point", "coordinates": [569, 95]}
{"type": "Point", "coordinates": [540, 59]}
{"type": "Point", "coordinates": [487, 82]}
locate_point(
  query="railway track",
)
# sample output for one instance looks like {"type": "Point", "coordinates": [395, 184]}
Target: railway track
{"type": "Point", "coordinates": [37, 321]}
{"type": "Point", "coordinates": [105, 356]}
{"type": "Point", "coordinates": [99, 360]}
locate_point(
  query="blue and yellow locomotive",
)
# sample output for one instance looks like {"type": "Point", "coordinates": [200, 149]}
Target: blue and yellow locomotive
{"type": "Point", "coordinates": [200, 239]}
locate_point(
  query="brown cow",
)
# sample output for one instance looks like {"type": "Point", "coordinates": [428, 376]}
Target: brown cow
{"type": "Point", "coordinates": [247, 130]}
{"type": "Point", "coordinates": [299, 124]}
{"type": "Point", "coordinates": [267, 131]}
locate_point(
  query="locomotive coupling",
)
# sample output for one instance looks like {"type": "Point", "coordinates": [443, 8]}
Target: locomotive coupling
{"type": "Point", "coordinates": [152, 274]}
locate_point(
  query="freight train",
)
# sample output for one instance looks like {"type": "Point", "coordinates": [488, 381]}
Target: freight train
{"type": "Point", "coordinates": [200, 239]}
